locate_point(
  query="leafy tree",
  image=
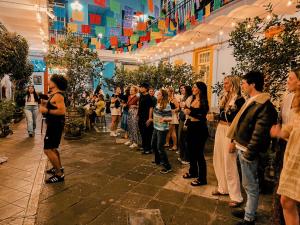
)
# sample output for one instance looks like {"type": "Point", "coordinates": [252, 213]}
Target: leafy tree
{"type": "Point", "coordinates": [269, 46]}
{"type": "Point", "coordinates": [162, 75]}
{"type": "Point", "coordinates": [14, 61]}
{"type": "Point", "coordinates": [81, 64]}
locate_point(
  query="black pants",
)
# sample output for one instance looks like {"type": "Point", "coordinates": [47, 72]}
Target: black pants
{"type": "Point", "coordinates": [182, 144]}
{"type": "Point", "coordinates": [146, 133]}
{"type": "Point", "coordinates": [197, 134]}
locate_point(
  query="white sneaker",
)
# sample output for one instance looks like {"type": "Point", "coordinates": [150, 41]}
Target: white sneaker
{"type": "Point", "coordinates": [134, 145]}
{"type": "Point", "coordinates": [113, 134]}
{"type": "Point", "coordinates": [127, 143]}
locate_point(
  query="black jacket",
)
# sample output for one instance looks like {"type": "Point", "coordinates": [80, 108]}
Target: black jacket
{"type": "Point", "coordinates": [253, 128]}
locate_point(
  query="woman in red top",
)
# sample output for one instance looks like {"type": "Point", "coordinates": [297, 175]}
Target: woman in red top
{"type": "Point", "coordinates": [133, 128]}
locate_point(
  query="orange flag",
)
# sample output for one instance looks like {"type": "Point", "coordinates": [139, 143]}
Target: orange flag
{"type": "Point", "coordinates": [150, 5]}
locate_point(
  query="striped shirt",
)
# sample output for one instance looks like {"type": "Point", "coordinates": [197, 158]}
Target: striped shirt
{"type": "Point", "coordinates": [161, 114]}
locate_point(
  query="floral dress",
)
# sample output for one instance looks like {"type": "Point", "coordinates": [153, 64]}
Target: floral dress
{"type": "Point", "coordinates": [133, 127]}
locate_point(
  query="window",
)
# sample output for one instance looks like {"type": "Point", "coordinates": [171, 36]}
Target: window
{"type": "Point", "coordinates": [203, 63]}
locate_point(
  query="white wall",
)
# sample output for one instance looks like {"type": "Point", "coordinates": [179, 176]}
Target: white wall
{"type": "Point", "coordinates": [185, 57]}
{"type": "Point", "coordinates": [5, 82]}
{"type": "Point", "coordinates": [223, 62]}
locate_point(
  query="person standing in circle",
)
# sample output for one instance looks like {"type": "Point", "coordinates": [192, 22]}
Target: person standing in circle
{"type": "Point", "coordinates": [55, 110]}
{"type": "Point", "coordinates": [197, 134]}
{"type": "Point", "coordinates": [31, 109]}
{"type": "Point", "coordinates": [116, 111]}
{"type": "Point", "coordinates": [224, 161]}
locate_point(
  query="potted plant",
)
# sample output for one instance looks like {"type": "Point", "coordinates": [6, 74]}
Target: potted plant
{"type": "Point", "coordinates": [73, 128]}
{"type": "Point", "coordinates": [7, 109]}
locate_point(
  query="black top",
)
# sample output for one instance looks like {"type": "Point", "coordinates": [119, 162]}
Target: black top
{"type": "Point", "coordinates": [49, 106]}
{"type": "Point", "coordinates": [154, 101]}
{"type": "Point", "coordinates": [199, 113]}
{"type": "Point", "coordinates": [172, 105]}
{"type": "Point", "coordinates": [145, 103]}
{"type": "Point", "coordinates": [228, 116]}
{"type": "Point", "coordinates": [117, 103]}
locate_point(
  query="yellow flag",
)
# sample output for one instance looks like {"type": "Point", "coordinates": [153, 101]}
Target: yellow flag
{"type": "Point", "coordinates": [94, 41]}
{"type": "Point", "coordinates": [172, 27]}
{"type": "Point", "coordinates": [73, 27]}
{"type": "Point", "coordinates": [162, 25]}
{"type": "Point", "coordinates": [207, 10]}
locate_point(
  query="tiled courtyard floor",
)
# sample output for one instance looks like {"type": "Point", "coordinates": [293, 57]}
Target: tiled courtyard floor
{"type": "Point", "coordinates": [107, 182]}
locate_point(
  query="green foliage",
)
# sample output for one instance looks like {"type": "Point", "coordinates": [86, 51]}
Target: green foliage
{"type": "Point", "coordinates": [273, 56]}
{"type": "Point", "coordinates": [14, 58]}
{"type": "Point", "coordinates": [162, 75]}
{"type": "Point", "coordinates": [7, 109]}
{"type": "Point", "coordinates": [81, 63]}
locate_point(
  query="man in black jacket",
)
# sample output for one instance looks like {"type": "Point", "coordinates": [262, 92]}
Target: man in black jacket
{"type": "Point", "coordinates": [250, 136]}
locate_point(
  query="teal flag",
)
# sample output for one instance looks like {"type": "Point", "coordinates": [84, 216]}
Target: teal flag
{"type": "Point", "coordinates": [100, 30]}
{"type": "Point", "coordinates": [217, 4]}
{"type": "Point", "coordinates": [115, 6]}
{"type": "Point", "coordinates": [111, 22]}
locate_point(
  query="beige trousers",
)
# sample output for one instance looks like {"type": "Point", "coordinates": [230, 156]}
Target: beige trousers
{"type": "Point", "coordinates": [225, 165]}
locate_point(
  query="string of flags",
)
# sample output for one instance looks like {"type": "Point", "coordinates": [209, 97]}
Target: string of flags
{"type": "Point", "coordinates": [125, 29]}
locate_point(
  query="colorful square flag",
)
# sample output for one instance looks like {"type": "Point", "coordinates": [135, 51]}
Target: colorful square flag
{"type": "Point", "coordinates": [95, 19]}
{"type": "Point", "coordinates": [77, 15]}
{"type": "Point", "coordinates": [200, 15]}
{"type": "Point", "coordinates": [134, 39]}
{"type": "Point", "coordinates": [73, 27]}
{"type": "Point", "coordinates": [111, 22]}
{"type": "Point", "coordinates": [115, 6]}
{"type": "Point", "coordinates": [150, 6]}
{"type": "Point", "coordinates": [100, 30]}
{"type": "Point", "coordinates": [101, 3]}
{"type": "Point", "coordinates": [94, 41]}
{"type": "Point", "coordinates": [86, 29]}
{"type": "Point", "coordinates": [127, 32]}
{"type": "Point", "coordinates": [114, 41]}
{"type": "Point", "coordinates": [207, 10]}
{"type": "Point", "coordinates": [217, 4]}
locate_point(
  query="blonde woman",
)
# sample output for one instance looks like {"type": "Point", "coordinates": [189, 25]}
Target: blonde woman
{"type": "Point", "coordinates": [133, 127]}
{"type": "Point", "coordinates": [172, 129]}
{"type": "Point", "coordinates": [224, 161]}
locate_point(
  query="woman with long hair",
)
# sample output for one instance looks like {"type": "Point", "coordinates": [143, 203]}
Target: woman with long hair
{"type": "Point", "coordinates": [172, 130]}
{"type": "Point", "coordinates": [197, 134]}
{"type": "Point", "coordinates": [224, 161]}
{"type": "Point", "coordinates": [133, 126]}
{"type": "Point", "coordinates": [289, 183]}
{"type": "Point", "coordinates": [162, 115]}
{"type": "Point", "coordinates": [185, 98]}
{"type": "Point", "coordinates": [31, 109]}
{"type": "Point", "coordinates": [115, 108]}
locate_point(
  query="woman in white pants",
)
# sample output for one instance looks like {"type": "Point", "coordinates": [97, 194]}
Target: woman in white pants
{"type": "Point", "coordinates": [224, 161]}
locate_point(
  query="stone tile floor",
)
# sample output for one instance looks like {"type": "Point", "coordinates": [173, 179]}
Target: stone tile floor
{"type": "Point", "coordinates": [106, 182]}
{"type": "Point", "coordinates": [21, 176]}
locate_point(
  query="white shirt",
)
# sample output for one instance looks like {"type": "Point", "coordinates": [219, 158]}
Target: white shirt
{"type": "Point", "coordinates": [286, 108]}
{"type": "Point", "coordinates": [31, 100]}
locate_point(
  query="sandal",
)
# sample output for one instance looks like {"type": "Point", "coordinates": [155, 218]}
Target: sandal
{"type": "Point", "coordinates": [188, 176]}
{"type": "Point", "coordinates": [234, 204]}
{"type": "Point", "coordinates": [217, 193]}
{"type": "Point", "coordinates": [55, 179]}
{"type": "Point", "coordinates": [198, 183]}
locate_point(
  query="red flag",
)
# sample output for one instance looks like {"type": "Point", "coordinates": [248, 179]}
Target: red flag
{"type": "Point", "coordinates": [128, 32]}
{"type": "Point", "coordinates": [114, 41]}
{"type": "Point", "coordinates": [86, 29]}
{"type": "Point", "coordinates": [101, 3]}
{"type": "Point", "coordinates": [95, 19]}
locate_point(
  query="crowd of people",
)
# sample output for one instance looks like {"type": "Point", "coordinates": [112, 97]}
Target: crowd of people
{"type": "Point", "coordinates": [156, 120]}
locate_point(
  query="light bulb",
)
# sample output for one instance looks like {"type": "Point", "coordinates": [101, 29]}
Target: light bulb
{"type": "Point", "coordinates": [221, 32]}
{"type": "Point", "coordinates": [269, 17]}
{"type": "Point", "coordinates": [289, 3]}
{"type": "Point", "coordinates": [176, 44]}
{"type": "Point", "coordinates": [171, 50]}
{"type": "Point", "coordinates": [208, 39]}
{"type": "Point", "coordinates": [192, 42]}
{"type": "Point", "coordinates": [182, 47]}
{"type": "Point", "coordinates": [233, 24]}
{"type": "Point", "coordinates": [38, 17]}
{"type": "Point", "coordinates": [248, 26]}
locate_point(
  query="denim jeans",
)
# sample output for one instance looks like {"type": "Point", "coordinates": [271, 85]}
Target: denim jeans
{"type": "Point", "coordinates": [250, 184]}
{"type": "Point", "coordinates": [158, 142]}
{"type": "Point", "coordinates": [31, 114]}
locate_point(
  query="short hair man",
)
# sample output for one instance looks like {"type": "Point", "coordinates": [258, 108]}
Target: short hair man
{"type": "Point", "coordinates": [250, 135]}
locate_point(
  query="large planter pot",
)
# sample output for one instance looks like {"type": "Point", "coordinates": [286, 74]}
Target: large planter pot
{"type": "Point", "coordinates": [5, 130]}
{"type": "Point", "coordinates": [74, 125]}
{"type": "Point", "coordinates": [72, 133]}
{"type": "Point", "coordinates": [18, 116]}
